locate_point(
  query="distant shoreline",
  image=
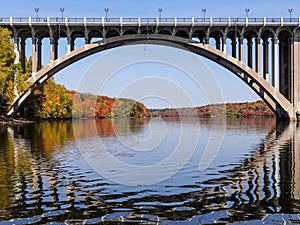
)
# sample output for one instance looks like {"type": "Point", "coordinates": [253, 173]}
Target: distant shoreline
{"type": "Point", "coordinates": [257, 109]}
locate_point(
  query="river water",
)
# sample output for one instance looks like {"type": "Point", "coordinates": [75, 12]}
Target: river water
{"type": "Point", "coordinates": [150, 171]}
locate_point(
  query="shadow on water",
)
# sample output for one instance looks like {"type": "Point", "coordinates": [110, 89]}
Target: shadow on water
{"type": "Point", "coordinates": [43, 179]}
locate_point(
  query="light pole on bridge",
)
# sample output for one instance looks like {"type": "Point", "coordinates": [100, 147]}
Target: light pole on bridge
{"type": "Point", "coordinates": [62, 12]}
{"type": "Point", "coordinates": [106, 13]}
{"type": "Point", "coordinates": [204, 11]}
{"type": "Point", "coordinates": [290, 11]}
{"type": "Point", "coordinates": [159, 12]}
{"type": "Point", "coordinates": [247, 12]}
{"type": "Point", "coordinates": [37, 13]}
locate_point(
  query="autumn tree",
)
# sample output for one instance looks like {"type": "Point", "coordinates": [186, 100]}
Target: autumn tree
{"type": "Point", "coordinates": [12, 81]}
{"type": "Point", "coordinates": [7, 57]}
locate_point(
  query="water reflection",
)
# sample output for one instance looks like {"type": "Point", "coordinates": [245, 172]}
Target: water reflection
{"type": "Point", "coordinates": [44, 179]}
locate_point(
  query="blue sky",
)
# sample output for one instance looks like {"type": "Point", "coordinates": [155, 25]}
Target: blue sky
{"type": "Point", "coordinates": [233, 89]}
{"type": "Point", "coordinates": [179, 8]}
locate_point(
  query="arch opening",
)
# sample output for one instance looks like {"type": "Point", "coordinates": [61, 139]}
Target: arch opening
{"type": "Point", "coordinates": [260, 86]}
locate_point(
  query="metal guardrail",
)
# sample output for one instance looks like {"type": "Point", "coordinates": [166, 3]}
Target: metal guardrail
{"type": "Point", "coordinates": [134, 20]}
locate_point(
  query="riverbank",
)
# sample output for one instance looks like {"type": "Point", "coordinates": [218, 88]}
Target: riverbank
{"type": "Point", "coordinates": [15, 121]}
{"type": "Point", "coordinates": [246, 110]}
{"type": "Point", "coordinates": [257, 109]}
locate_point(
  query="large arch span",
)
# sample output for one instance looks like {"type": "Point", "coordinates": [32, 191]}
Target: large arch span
{"type": "Point", "coordinates": [276, 101]}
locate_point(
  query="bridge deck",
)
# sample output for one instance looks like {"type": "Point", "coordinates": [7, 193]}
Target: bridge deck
{"type": "Point", "coordinates": [176, 21]}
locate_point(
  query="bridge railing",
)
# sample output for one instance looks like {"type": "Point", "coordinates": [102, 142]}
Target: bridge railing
{"type": "Point", "coordinates": [131, 20]}
{"type": "Point", "coordinates": [57, 19]}
{"type": "Point", "coordinates": [205, 20]}
{"type": "Point", "coordinates": [255, 20]}
{"type": "Point", "coordinates": [147, 20]}
{"type": "Point", "coordinates": [39, 19]}
{"type": "Point", "coordinates": [202, 20]}
{"type": "Point", "coordinates": [4, 19]}
{"type": "Point", "coordinates": [93, 20]}
{"type": "Point", "coordinates": [184, 20]}
{"type": "Point", "coordinates": [273, 20]}
{"type": "Point", "coordinates": [20, 19]}
{"type": "Point", "coordinates": [220, 20]}
{"type": "Point", "coordinates": [290, 20]}
{"type": "Point", "coordinates": [75, 20]}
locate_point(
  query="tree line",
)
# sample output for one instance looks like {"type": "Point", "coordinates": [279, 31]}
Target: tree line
{"type": "Point", "coordinates": [247, 109]}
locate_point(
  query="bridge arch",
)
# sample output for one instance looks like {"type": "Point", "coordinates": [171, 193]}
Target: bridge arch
{"type": "Point", "coordinates": [130, 31]}
{"type": "Point", "coordinates": [182, 34]}
{"type": "Point", "coordinates": [277, 102]}
{"type": "Point", "coordinates": [199, 35]}
{"type": "Point", "coordinates": [94, 34]}
{"type": "Point", "coordinates": [165, 32]}
{"type": "Point", "coordinates": [112, 33]}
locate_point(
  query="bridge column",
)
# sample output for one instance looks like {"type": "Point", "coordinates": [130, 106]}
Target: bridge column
{"type": "Point", "coordinates": [233, 45]}
{"type": "Point", "coordinates": [56, 49]}
{"type": "Point", "coordinates": [87, 40]}
{"type": "Point", "coordinates": [33, 57]}
{"type": "Point", "coordinates": [275, 60]}
{"type": "Point", "coordinates": [250, 64]}
{"type": "Point", "coordinates": [207, 40]}
{"type": "Point", "coordinates": [285, 66]}
{"type": "Point", "coordinates": [70, 43]}
{"type": "Point", "coordinates": [224, 44]}
{"type": "Point", "coordinates": [23, 57]}
{"type": "Point", "coordinates": [16, 48]}
{"type": "Point", "coordinates": [39, 53]}
{"type": "Point", "coordinates": [52, 43]}
{"type": "Point", "coordinates": [257, 55]}
{"type": "Point", "coordinates": [295, 73]}
{"type": "Point", "coordinates": [266, 59]}
{"type": "Point", "coordinates": [241, 49]}
{"type": "Point", "coordinates": [53, 49]}
{"type": "Point", "coordinates": [218, 44]}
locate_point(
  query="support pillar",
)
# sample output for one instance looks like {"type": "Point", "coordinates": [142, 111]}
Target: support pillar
{"type": "Point", "coordinates": [52, 49]}
{"type": "Point", "coordinates": [284, 65]}
{"type": "Point", "coordinates": [33, 57]}
{"type": "Point", "coordinates": [275, 60]}
{"type": "Point", "coordinates": [16, 48]}
{"type": "Point", "coordinates": [23, 57]}
{"type": "Point", "coordinates": [39, 53]}
{"type": "Point", "coordinates": [250, 64]}
{"type": "Point", "coordinates": [17, 60]}
{"type": "Point", "coordinates": [218, 44]}
{"type": "Point", "coordinates": [224, 44]}
{"type": "Point", "coordinates": [266, 59]}
{"type": "Point", "coordinates": [233, 45]}
{"type": "Point", "coordinates": [241, 49]}
{"type": "Point", "coordinates": [86, 40]}
{"type": "Point", "coordinates": [56, 49]}
{"type": "Point", "coordinates": [257, 55]}
{"type": "Point", "coordinates": [296, 73]}
{"type": "Point", "coordinates": [207, 40]}
{"type": "Point", "coordinates": [70, 44]}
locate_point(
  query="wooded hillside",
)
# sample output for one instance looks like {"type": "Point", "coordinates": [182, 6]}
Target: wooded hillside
{"type": "Point", "coordinates": [248, 109]}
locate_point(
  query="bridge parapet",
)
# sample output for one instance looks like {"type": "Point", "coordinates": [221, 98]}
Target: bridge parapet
{"type": "Point", "coordinates": [15, 21]}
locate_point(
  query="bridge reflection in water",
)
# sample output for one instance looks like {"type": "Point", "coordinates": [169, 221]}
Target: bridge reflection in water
{"type": "Point", "coordinates": [37, 186]}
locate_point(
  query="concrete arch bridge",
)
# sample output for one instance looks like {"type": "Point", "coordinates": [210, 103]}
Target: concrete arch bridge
{"type": "Point", "coordinates": [263, 52]}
